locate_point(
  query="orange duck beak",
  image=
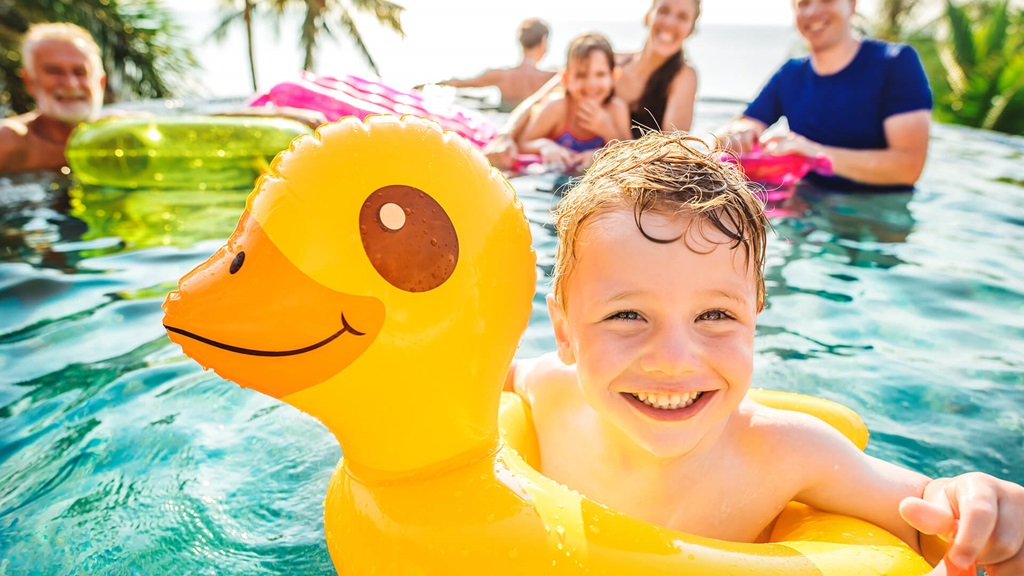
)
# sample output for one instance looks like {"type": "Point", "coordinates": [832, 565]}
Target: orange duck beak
{"type": "Point", "coordinates": [250, 314]}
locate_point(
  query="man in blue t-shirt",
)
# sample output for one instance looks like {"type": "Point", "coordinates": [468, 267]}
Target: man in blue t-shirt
{"type": "Point", "coordinates": [862, 103]}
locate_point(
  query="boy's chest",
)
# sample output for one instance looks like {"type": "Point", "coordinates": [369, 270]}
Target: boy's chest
{"type": "Point", "coordinates": [719, 502]}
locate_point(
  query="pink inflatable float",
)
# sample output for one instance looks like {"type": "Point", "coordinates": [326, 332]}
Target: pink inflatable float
{"type": "Point", "coordinates": [359, 97]}
{"type": "Point", "coordinates": [779, 170]}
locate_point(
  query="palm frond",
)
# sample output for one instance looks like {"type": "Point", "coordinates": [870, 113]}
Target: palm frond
{"type": "Point", "coordinates": [387, 13]}
{"type": "Point", "coordinates": [994, 31]}
{"type": "Point", "coordinates": [350, 26]}
{"type": "Point", "coordinates": [228, 19]}
{"type": "Point", "coordinates": [961, 45]}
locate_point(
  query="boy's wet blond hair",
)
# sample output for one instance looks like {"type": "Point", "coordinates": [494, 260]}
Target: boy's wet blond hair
{"type": "Point", "coordinates": [667, 173]}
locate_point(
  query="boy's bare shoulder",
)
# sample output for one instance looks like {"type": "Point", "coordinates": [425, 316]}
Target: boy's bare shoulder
{"type": "Point", "coordinates": [544, 377]}
{"type": "Point", "coordinates": [790, 433]}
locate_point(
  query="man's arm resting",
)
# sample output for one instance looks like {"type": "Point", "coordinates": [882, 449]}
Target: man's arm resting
{"type": "Point", "coordinates": [900, 163]}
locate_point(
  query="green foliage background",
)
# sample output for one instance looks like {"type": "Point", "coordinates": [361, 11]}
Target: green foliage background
{"type": "Point", "coordinates": [144, 52]}
{"type": "Point", "coordinates": [976, 64]}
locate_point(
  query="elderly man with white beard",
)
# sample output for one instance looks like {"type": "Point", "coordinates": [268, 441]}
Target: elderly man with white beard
{"type": "Point", "coordinates": [63, 72]}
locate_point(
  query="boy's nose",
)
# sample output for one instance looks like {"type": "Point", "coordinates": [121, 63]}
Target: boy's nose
{"type": "Point", "coordinates": [672, 350]}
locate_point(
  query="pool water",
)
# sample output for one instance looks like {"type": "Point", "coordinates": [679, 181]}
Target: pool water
{"type": "Point", "coordinates": [118, 455]}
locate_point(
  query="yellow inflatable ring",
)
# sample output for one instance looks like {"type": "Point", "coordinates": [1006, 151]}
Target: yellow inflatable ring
{"type": "Point", "coordinates": [379, 280]}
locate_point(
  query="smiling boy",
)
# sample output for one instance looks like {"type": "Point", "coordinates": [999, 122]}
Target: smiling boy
{"type": "Point", "coordinates": [657, 286]}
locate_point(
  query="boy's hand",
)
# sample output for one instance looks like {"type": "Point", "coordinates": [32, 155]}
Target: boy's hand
{"type": "Point", "coordinates": [982, 516]}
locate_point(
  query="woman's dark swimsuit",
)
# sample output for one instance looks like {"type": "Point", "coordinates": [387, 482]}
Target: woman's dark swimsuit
{"type": "Point", "coordinates": [649, 111]}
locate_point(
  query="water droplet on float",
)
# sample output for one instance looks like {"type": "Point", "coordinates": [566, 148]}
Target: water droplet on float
{"type": "Point", "coordinates": [560, 530]}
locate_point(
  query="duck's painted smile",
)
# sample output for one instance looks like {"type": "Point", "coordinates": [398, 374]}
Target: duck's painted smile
{"type": "Point", "coordinates": [249, 313]}
{"type": "Point", "coordinates": [345, 328]}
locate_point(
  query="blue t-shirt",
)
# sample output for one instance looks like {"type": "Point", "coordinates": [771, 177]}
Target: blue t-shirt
{"type": "Point", "coordinates": [846, 109]}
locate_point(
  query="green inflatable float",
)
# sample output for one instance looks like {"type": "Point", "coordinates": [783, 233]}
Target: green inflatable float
{"type": "Point", "coordinates": [181, 152]}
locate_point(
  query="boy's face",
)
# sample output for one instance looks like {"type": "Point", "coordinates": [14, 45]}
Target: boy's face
{"type": "Point", "coordinates": [662, 334]}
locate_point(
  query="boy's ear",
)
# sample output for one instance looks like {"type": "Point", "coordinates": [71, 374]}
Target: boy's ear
{"type": "Point", "coordinates": [561, 326]}
{"type": "Point", "coordinates": [616, 73]}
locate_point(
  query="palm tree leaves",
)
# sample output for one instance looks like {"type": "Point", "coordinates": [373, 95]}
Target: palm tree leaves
{"type": "Point", "coordinates": [142, 49]}
{"type": "Point", "coordinates": [325, 16]}
{"type": "Point", "coordinates": [892, 16]}
{"type": "Point", "coordinates": [977, 66]}
{"type": "Point", "coordinates": [983, 62]}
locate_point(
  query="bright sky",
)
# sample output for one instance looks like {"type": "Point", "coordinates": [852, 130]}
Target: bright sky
{"type": "Point", "coordinates": [446, 38]}
{"type": "Point", "coordinates": [767, 12]}
{"type": "Point", "coordinates": [764, 12]}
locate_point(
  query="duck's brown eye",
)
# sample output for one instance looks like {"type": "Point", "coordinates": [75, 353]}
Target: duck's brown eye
{"type": "Point", "coordinates": [236, 264]}
{"type": "Point", "coordinates": [408, 237]}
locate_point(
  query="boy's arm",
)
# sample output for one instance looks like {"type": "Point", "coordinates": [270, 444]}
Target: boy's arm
{"type": "Point", "coordinates": [830, 473]}
{"type": "Point", "coordinates": [983, 516]}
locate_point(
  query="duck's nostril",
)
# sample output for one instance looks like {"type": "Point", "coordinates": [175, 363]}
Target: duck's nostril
{"type": "Point", "coordinates": [236, 264]}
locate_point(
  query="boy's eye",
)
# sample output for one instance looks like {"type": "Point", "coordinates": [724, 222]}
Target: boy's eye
{"type": "Point", "coordinates": [714, 315]}
{"type": "Point", "coordinates": [625, 315]}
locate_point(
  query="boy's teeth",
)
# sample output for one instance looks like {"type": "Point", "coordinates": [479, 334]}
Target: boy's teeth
{"type": "Point", "coordinates": [668, 401]}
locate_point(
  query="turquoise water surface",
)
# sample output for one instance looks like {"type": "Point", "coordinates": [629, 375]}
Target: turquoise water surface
{"type": "Point", "coordinates": [118, 455]}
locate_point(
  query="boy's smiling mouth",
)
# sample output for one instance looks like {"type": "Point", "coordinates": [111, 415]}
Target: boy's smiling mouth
{"type": "Point", "coordinates": [668, 401]}
{"type": "Point", "coordinates": [669, 406]}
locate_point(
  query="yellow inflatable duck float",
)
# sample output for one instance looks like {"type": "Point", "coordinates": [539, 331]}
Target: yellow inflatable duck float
{"type": "Point", "coordinates": [380, 279]}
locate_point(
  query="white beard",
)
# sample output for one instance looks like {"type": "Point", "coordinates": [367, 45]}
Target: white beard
{"type": "Point", "coordinates": [71, 106]}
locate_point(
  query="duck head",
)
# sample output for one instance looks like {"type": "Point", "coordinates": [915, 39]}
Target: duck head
{"type": "Point", "coordinates": [379, 280]}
